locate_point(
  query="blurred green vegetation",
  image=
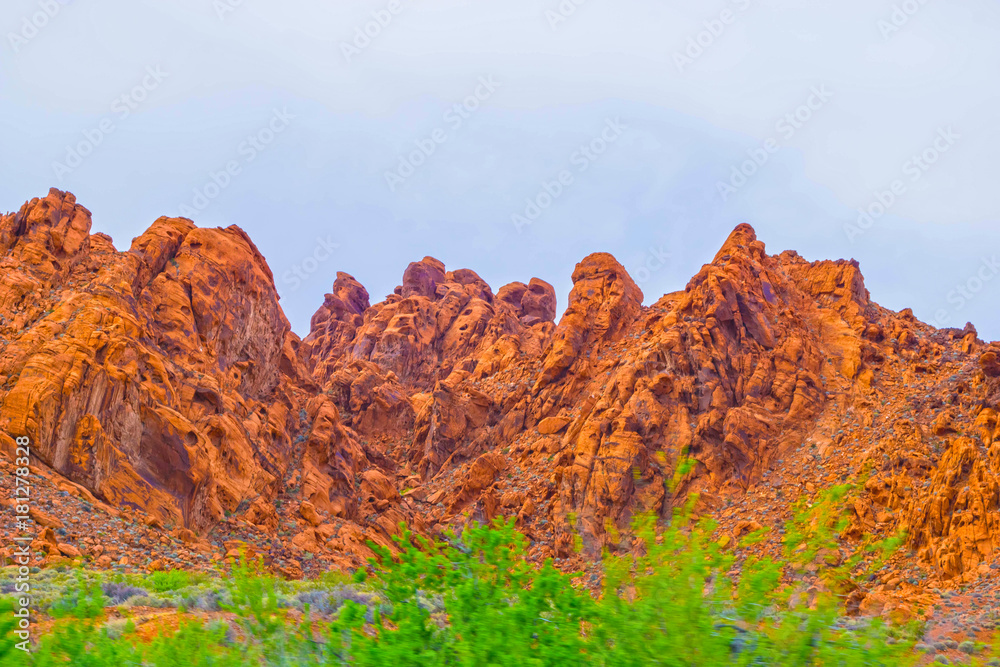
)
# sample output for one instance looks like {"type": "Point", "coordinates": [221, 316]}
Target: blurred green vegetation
{"type": "Point", "coordinates": [475, 600]}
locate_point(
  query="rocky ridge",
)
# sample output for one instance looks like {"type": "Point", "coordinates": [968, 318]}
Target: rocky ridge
{"type": "Point", "coordinates": [166, 380]}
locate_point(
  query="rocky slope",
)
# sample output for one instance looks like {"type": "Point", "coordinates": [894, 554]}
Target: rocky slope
{"type": "Point", "coordinates": [165, 379]}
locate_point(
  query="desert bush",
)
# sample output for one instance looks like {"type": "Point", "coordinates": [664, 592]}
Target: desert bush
{"type": "Point", "coordinates": [118, 592]}
{"type": "Point", "coordinates": [475, 599]}
{"type": "Point", "coordinates": [169, 580]}
{"type": "Point", "coordinates": [82, 599]}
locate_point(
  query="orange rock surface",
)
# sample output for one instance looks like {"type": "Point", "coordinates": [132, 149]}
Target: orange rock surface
{"type": "Point", "coordinates": [166, 380]}
{"type": "Point", "coordinates": [163, 378]}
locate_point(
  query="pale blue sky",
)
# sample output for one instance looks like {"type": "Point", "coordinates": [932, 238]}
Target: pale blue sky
{"type": "Point", "coordinates": [170, 92]}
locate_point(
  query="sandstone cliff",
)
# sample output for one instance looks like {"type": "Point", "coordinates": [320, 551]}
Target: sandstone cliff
{"type": "Point", "coordinates": [166, 379]}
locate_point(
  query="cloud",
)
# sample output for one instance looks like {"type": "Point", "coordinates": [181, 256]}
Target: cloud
{"type": "Point", "coordinates": [657, 188]}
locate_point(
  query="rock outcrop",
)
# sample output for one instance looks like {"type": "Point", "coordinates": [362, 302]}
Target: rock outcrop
{"type": "Point", "coordinates": [597, 416]}
{"type": "Point", "coordinates": [402, 373]}
{"type": "Point", "coordinates": [166, 380]}
{"type": "Point", "coordinates": [163, 378]}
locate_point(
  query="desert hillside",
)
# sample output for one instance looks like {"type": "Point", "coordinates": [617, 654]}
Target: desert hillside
{"type": "Point", "coordinates": [174, 414]}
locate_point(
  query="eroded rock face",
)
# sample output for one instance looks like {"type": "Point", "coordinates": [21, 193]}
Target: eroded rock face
{"type": "Point", "coordinates": [595, 416]}
{"type": "Point", "coordinates": [725, 374]}
{"type": "Point", "coordinates": [336, 322]}
{"type": "Point", "coordinates": [940, 483]}
{"type": "Point", "coordinates": [163, 378]}
{"type": "Point", "coordinates": [149, 376]}
{"type": "Point", "coordinates": [398, 377]}
{"type": "Point", "coordinates": [622, 408]}
{"type": "Point", "coordinates": [166, 379]}
{"type": "Point", "coordinates": [603, 304]}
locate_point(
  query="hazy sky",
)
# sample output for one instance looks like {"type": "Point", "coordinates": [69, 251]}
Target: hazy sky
{"type": "Point", "coordinates": [516, 137]}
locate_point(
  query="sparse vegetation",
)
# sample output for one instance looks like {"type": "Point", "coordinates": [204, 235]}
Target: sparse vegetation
{"type": "Point", "coordinates": [475, 600]}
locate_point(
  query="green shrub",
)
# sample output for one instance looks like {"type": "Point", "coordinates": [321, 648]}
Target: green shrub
{"type": "Point", "coordinates": [83, 599]}
{"type": "Point", "coordinates": [167, 581]}
{"type": "Point", "coordinates": [475, 599]}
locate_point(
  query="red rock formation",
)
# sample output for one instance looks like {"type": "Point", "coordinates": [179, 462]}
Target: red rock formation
{"type": "Point", "coordinates": [592, 420]}
{"type": "Point", "coordinates": [396, 377]}
{"type": "Point", "coordinates": [149, 376]}
{"type": "Point", "coordinates": [605, 405]}
{"type": "Point", "coordinates": [163, 378]}
{"type": "Point", "coordinates": [942, 481]}
{"type": "Point", "coordinates": [166, 379]}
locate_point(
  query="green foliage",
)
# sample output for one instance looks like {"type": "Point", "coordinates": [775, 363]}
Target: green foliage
{"type": "Point", "coordinates": [474, 599]}
{"type": "Point", "coordinates": [8, 624]}
{"type": "Point", "coordinates": [81, 645]}
{"type": "Point", "coordinates": [668, 605]}
{"type": "Point", "coordinates": [254, 595]}
{"type": "Point", "coordinates": [170, 580]}
{"type": "Point", "coordinates": [195, 645]}
{"type": "Point", "coordinates": [813, 536]}
{"type": "Point", "coordinates": [82, 600]}
{"type": "Point", "coordinates": [493, 607]}
{"type": "Point", "coordinates": [334, 578]}
{"type": "Point", "coordinates": [684, 465]}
